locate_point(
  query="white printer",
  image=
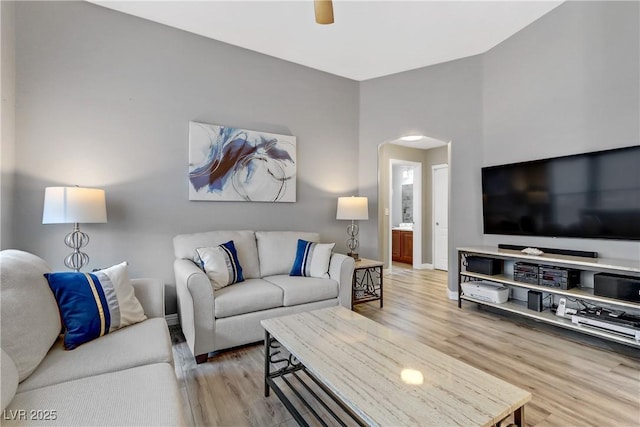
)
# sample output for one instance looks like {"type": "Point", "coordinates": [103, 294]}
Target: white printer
{"type": "Point", "coordinates": [486, 291]}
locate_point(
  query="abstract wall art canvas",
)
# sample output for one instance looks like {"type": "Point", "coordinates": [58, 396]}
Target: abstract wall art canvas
{"type": "Point", "coordinates": [231, 164]}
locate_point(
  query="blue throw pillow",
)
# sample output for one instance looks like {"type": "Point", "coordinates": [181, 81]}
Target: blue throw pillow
{"type": "Point", "coordinates": [94, 304]}
{"type": "Point", "coordinates": [221, 264]}
{"type": "Point", "coordinates": [312, 259]}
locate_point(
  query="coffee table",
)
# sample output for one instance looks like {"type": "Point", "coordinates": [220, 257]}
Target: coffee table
{"type": "Point", "coordinates": [381, 377]}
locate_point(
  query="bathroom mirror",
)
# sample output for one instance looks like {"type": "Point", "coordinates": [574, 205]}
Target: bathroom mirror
{"type": "Point", "coordinates": [407, 203]}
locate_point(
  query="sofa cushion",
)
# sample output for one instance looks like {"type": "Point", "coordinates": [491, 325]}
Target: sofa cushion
{"type": "Point", "coordinates": [29, 313]}
{"type": "Point", "coordinates": [136, 345]}
{"type": "Point", "coordinates": [301, 290]}
{"type": "Point", "coordinates": [221, 264]}
{"type": "Point", "coordinates": [185, 245]}
{"type": "Point", "coordinates": [9, 378]}
{"type": "Point", "coordinates": [312, 259]}
{"type": "Point", "coordinates": [277, 250]}
{"type": "Point", "coordinates": [246, 297]}
{"type": "Point", "coordinates": [142, 396]}
{"type": "Point", "coordinates": [95, 304]}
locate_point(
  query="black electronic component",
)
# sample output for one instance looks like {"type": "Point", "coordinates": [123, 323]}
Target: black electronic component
{"type": "Point", "coordinates": [617, 286]}
{"type": "Point", "coordinates": [534, 300]}
{"type": "Point", "coordinates": [526, 273]}
{"type": "Point", "coordinates": [556, 251]}
{"type": "Point", "coordinates": [484, 265]}
{"type": "Point", "coordinates": [557, 277]}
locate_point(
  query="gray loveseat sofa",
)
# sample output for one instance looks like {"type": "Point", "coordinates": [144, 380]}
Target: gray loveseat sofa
{"type": "Point", "coordinates": [124, 378]}
{"type": "Point", "coordinates": [214, 320]}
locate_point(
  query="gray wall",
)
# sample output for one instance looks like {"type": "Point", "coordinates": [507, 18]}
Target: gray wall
{"type": "Point", "coordinates": [567, 84]}
{"type": "Point", "coordinates": [104, 100]}
{"type": "Point", "coordinates": [7, 122]}
{"type": "Point", "coordinates": [443, 102]}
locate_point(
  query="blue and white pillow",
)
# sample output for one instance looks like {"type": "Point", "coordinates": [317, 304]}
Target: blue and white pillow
{"type": "Point", "coordinates": [221, 264]}
{"type": "Point", "coordinates": [94, 304]}
{"type": "Point", "coordinates": [312, 259]}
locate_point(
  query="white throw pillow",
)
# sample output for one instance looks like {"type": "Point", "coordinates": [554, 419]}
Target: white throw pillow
{"type": "Point", "coordinates": [131, 310]}
{"type": "Point", "coordinates": [29, 315]}
{"type": "Point", "coordinates": [277, 250]}
{"type": "Point", "coordinates": [221, 264]}
{"type": "Point", "coordinates": [312, 259]}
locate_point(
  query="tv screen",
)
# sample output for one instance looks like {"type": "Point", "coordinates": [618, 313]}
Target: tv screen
{"type": "Point", "coordinates": [593, 195]}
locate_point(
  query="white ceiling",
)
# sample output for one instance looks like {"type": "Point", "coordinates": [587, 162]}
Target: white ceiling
{"type": "Point", "coordinates": [368, 39]}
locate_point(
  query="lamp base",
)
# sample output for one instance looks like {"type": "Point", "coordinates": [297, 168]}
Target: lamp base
{"type": "Point", "coordinates": [352, 242]}
{"type": "Point", "coordinates": [76, 240]}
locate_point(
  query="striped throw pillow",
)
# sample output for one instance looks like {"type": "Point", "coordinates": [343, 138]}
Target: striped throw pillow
{"type": "Point", "coordinates": [312, 259]}
{"type": "Point", "coordinates": [94, 304]}
{"type": "Point", "coordinates": [221, 264]}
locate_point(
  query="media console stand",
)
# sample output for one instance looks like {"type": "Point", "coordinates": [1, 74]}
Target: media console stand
{"type": "Point", "coordinates": [582, 293]}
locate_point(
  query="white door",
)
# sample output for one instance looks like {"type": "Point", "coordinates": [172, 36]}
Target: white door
{"type": "Point", "coordinates": [440, 216]}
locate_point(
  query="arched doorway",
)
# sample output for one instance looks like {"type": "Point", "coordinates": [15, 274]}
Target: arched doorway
{"type": "Point", "coordinates": [418, 155]}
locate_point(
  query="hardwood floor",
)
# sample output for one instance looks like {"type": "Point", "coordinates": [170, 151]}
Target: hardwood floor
{"type": "Point", "coordinates": [575, 380]}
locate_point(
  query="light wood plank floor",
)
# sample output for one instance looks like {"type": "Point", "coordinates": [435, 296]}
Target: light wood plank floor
{"type": "Point", "coordinates": [575, 380]}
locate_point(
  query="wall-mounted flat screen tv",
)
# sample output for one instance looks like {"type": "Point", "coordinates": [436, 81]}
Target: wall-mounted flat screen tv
{"type": "Point", "coordinates": [593, 195]}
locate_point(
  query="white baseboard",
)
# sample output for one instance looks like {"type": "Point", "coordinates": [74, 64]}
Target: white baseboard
{"type": "Point", "coordinates": [172, 319]}
{"type": "Point", "coordinates": [424, 267]}
{"type": "Point", "coordinates": [452, 294]}
{"type": "Point", "coordinates": [418, 267]}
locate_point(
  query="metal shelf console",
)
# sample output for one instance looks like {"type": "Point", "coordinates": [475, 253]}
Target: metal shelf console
{"type": "Point", "coordinates": [625, 267]}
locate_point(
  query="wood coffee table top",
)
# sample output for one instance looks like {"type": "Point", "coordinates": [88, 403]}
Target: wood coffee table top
{"type": "Point", "coordinates": [387, 378]}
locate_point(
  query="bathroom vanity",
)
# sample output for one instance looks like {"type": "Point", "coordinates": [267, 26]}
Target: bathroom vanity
{"type": "Point", "coordinates": [402, 244]}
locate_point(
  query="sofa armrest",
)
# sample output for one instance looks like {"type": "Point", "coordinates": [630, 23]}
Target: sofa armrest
{"type": "Point", "coordinates": [195, 306]}
{"type": "Point", "coordinates": [341, 270]}
{"type": "Point", "coordinates": [150, 293]}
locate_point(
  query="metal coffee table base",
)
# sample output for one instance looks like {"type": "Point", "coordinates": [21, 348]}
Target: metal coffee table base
{"type": "Point", "coordinates": [290, 374]}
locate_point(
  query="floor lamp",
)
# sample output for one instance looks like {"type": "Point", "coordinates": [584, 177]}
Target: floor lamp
{"type": "Point", "coordinates": [74, 205]}
{"type": "Point", "coordinates": [353, 208]}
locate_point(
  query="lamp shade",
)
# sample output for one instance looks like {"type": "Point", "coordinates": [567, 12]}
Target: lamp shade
{"type": "Point", "coordinates": [64, 205]}
{"type": "Point", "coordinates": [353, 208]}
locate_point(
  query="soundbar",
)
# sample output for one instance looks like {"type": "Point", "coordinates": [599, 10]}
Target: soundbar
{"type": "Point", "coordinates": [570, 252]}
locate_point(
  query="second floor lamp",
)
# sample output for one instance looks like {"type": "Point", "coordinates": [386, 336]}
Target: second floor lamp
{"type": "Point", "coordinates": [353, 209]}
{"type": "Point", "coordinates": [74, 205]}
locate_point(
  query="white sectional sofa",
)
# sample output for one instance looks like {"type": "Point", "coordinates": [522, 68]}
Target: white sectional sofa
{"type": "Point", "coordinates": [213, 320]}
{"type": "Point", "coordinates": [124, 378]}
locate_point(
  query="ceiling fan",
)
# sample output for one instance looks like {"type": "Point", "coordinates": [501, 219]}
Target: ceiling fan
{"type": "Point", "coordinates": [324, 11]}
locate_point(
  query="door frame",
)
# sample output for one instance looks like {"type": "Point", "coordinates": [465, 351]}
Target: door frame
{"type": "Point", "coordinates": [417, 210]}
{"type": "Point", "coordinates": [433, 210]}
